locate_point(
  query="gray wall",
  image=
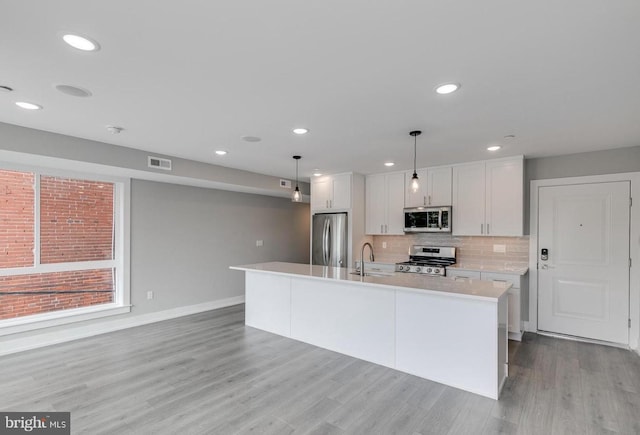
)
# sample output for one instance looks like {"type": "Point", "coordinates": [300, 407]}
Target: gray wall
{"type": "Point", "coordinates": [18, 139]}
{"type": "Point", "coordinates": [613, 161]}
{"type": "Point", "coordinates": [183, 240]}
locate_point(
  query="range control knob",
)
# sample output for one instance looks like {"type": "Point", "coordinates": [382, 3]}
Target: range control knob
{"type": "Point", "coordinates": [418, 269]}
{"type": "Point", "coordinates": [400, 268]}
{"type": "Point", "coordinates": [428, 270]}
{"type": "Point", "coordinates": [436, 270]}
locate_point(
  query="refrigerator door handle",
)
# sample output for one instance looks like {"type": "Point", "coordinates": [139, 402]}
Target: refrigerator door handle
{"type": "Point", "coordinates": [329, 243]}
{"type": "Point", "coordinates": [325, 242]}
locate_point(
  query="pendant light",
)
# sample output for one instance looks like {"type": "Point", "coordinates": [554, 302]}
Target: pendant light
{"type": "Point", "coordinates": [415, 183]}
{"type": "Point", "coordinates": [296, 196]}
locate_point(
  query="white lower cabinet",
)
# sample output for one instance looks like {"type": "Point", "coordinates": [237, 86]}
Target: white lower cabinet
{"type": "Point", "coordinates": [515, 297]}
{"type": "Point", "coordinates": [518, 282]}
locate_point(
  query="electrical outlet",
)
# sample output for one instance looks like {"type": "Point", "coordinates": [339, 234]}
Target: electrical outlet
{"type": "Point", "coordinates": [500, 248]}
{"type": "Point", "coordinates": [384, 245]}
{"type": "Point", "coordinates": [259, 243]}
{"type": "Point", "coordinates": [149, 295]}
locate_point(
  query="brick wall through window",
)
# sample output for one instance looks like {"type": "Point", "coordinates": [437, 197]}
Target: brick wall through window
{"type": "Point", "coordinates": [76, 225]}
{"type": "Point", "coordinates": [16, 219]}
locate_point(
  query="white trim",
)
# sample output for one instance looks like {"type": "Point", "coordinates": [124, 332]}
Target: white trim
{"type": "Point", "coordinates": [61, 317]}
{"type": "Point", "coordinates": [515, 336]}
{"type": "Point", "coordinates": [59, 267]}
{"type": "Point", "coordinates": [582, 339]}
{"type": "Point", "coordinates": [634, 246]}
{"type": "Point", "coordinates": [83, 331]}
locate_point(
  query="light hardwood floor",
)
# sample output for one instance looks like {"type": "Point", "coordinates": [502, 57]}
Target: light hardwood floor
{"type": "Point", "coordinates": [209, 374]}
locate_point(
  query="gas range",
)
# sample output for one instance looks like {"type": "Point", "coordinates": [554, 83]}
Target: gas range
{"type": "Point", "coordinates": [428, 260]}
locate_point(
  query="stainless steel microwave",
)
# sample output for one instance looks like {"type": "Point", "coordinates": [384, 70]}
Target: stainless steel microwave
{"type": "Point", "coordinates": [427, 220]}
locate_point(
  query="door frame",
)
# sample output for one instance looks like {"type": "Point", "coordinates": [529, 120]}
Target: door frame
{"type": "Point", "coordinates": [634, 246]}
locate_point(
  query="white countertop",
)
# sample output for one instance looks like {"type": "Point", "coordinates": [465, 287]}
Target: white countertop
{"type": "Point", "coordinates": [472, 289]}
{"type": "Point", "coordinates": [477, 267]}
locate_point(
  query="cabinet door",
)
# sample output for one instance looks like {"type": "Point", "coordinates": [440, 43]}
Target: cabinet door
{"type": "Point", "coordinates": [465, 275]}
{"type": "Point", "coordinates": [514, 310]}
{"type": "Point", "coordinates": [375, 195]}
{"type": "Point", "coordinates": [341, 191]}
{"type": "Point", "coordinates": [320, 192]}
{"type": "Point", "coordinates": [395, 204]}
{"type": "Point", "coordinates": [504, 204]}
{"type": "Point", "coordinates": [468, 200]}
{"type": "Point", "coordinates": [439, 186]}
{"type": "Point", "coordinates": [419, 198]}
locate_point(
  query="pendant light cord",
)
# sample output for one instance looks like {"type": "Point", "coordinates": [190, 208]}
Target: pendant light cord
{"type": "Point", "coordinates": [415, 144]}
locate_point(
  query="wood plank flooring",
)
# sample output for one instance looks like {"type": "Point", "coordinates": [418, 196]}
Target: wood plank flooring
{"type": "Point", "coordinates": [209, 374]}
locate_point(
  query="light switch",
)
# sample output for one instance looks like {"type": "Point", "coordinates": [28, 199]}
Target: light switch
{"type": "Point", "coordinates": [384, 245]}
{"type": "Point", "coordinates": [259, 243]}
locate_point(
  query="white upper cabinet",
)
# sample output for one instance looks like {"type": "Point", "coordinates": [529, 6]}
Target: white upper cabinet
{"type": "Point", "coordinates": [488, 198]}
{"type": "Point", "coordinates": [505, 197]}
{"type": "Point", "coordinates": [384, 203]}
{"type": "Point", "coordinates": [331, 192]}
{"type": "Point", "coordinates": [468, 199]}
{"type": "Point", "coordinates": [435, 187]}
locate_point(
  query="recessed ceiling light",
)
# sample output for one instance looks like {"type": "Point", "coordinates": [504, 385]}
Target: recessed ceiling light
{"type": "Point", "coordinates": [389, 163]}
{"type": "Point", "coordinates": [510, 136]}
{"type": "Point", "coordinates": [300, 130]}
{"type": "Point", "coordinates": [251, 138]}
{"type": "Point", "coordinates": [447, 88]}
{"type": "Point", "coordinates": [494, 148]}
{"type": "Point", "coordinates": [74, 91]}
{"type": "Point", "coordinates": [317, 174]}
{"type": "Point", "coordinates": [81, 42]}
{"type": "Point", "coordinates": [6, 89]}
{"type": "Point", "coordinates": [221, 152]}
{"type": "Point", "coordinates": [28, 106]}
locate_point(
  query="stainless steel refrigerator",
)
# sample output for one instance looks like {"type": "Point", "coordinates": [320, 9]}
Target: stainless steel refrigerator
{"type": "Point", "coordinates": [329, 239]}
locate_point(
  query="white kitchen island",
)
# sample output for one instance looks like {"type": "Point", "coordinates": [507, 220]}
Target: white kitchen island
{"type": "Point", "coordinates": [448, 331]}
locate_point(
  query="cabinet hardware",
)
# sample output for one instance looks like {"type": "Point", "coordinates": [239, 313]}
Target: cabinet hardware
{"type": "Point", "coordinates": [424, 200]}
{"type": "Point", "coordinates": [381, 228]}
{"type": "Point", "coordinates": [487, 228]}
{"type": "Point", "coordinates": [386, 230]}
{"type": "Point", "coordinates": [481, 228]}
{"type": "Point", "coordinates": [429, 199]}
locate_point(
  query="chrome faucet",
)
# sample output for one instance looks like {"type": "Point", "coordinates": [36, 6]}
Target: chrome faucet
{"type": "Point", "coordinates": [371, 257]}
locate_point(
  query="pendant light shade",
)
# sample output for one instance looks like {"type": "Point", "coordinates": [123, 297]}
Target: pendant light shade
{"type": "Point", "coordinates": [297, 195]}
{"type": "Point", "coordinates": [415, 182]}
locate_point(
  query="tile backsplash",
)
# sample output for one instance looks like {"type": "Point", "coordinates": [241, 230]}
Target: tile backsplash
{"type": "Point", "coordinates": [471, 250]}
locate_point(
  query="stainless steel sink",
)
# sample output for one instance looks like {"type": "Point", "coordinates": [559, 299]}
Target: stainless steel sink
{"type": "Point", "coordinates": [375, 274]}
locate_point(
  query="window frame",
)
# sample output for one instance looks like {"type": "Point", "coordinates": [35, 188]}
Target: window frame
{"type": "Point", "coordinates": [120, 263]}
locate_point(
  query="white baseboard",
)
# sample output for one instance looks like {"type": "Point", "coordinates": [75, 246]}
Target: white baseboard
{"type": "Point", "coordinates": [78, 331]}
{"type": "Point", "coordinates": [516, 336]}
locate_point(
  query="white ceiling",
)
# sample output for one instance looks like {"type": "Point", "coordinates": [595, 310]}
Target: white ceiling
{"type": "Point", "coordinates": [188, 77]}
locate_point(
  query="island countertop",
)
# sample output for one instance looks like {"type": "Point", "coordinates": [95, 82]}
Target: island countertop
{"type": "Point", "coordinates": [472, 289]}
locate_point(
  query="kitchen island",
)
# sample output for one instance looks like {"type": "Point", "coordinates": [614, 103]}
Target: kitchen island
{"type": "Point", "coordinates": [448, 331]}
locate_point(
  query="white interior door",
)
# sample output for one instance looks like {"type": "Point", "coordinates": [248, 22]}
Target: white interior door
{"type": "Point", "coordinates": [583, 285]}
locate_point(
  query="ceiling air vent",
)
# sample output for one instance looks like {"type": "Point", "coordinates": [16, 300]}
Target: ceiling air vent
{"type": "Point", "coordinates": [158, 163]}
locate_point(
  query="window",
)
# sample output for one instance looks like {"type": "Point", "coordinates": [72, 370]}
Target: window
{"type": "Point", "coordinates": [62, 247]}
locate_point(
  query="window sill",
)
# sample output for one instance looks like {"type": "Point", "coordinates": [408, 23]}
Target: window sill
{"type": "Point", "coordinates": [57, 318]}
